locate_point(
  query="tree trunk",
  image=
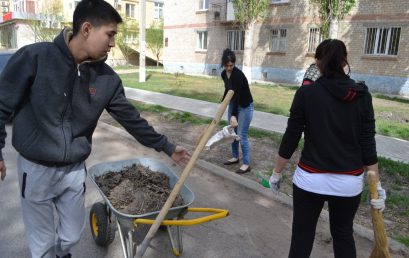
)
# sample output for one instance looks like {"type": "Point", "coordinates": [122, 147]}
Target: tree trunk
{"type": "Point", "coordinates": [248, 52]}
{"type": "Point", "coordinates": [333, 29]}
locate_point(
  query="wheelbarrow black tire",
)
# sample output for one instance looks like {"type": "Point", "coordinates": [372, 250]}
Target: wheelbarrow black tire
{"type": "Point", "coordinates": [101, 229]}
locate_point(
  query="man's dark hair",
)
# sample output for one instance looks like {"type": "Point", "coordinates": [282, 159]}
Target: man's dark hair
{"type": "Point", "coordinates": [97, 12]}
{"type": "Point", "coordinates": [228, 56]}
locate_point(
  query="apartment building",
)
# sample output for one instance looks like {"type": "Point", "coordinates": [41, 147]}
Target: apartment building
{"type": "Point", "coordinates": [375, 32]}
{"type": "Point", "coordinates": [16, 32]}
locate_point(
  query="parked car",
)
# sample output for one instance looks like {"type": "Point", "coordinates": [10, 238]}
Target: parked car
{"type": "Point", "coordinates": [4, 58]}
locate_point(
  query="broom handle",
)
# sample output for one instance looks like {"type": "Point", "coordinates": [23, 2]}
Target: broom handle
{"type": "Point", "coordinates": [176, 189]}
{"type": "Point", "coordinates": [381, 240]}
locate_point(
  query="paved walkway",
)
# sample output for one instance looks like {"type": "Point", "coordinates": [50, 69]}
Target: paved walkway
{"type": "Point", "coordinates": [393, 148]}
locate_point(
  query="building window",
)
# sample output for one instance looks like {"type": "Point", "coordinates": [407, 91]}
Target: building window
{"type": "Point", "coordinates": [25, 6]}
{"type": "Point", "coordinates": [158, 13]}
{"type": "Point", "coordinates": [278, 40]}
{"type": "Point", "coordinates": [279, 1]}
{"type": "Point", "coordinates": [235, 39]}
{"type": "Point", "coordinates": [202, 40]}
{"type": "Point", "coordinates": [382, 41]}
{"type": "Point", "coordinates": [131, 38]}
{"type": "Point", "coordinates": [204, 4]}
{"type": "Point", "coordinates": [314, 39]}
{"type": "Point", "coordinates": [130, 10]}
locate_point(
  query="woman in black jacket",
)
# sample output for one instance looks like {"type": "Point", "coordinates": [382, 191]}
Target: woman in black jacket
{"type": "Point", "coordinates": [336, 116]}
{"type": "Point", "coordinates": [240, 112]}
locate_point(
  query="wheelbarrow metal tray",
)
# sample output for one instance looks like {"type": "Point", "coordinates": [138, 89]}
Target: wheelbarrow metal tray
{"type": "Point", "coordinates": [154, 165]}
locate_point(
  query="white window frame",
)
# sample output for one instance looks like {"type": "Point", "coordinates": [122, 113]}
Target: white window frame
{"type": "Point", "coordinates": [278, 40]}
{"type": "Point", "coordinates": [314, 39]}
{"type": "Point", "coordinates": [235, 40]}
{"type": "Point", "coordinates": [202, 37]}
{"type": "Point", "coordinates": [382, 41]}
{"type": "Point", "coordinates": [130, 10]}
{"type": "Point", "coordinates": [158, 12]}
{"type": "Point", "coordinates": [24, 6]}
{"type": "Point", "coordinates": [279, 1]}
{"type": "Point", "coordinates": [131, 38]}
{"type": "Point", "coordinates": [203, 4]}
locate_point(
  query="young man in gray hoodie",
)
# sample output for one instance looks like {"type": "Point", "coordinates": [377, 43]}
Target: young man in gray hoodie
{"type": "Point", "coordinates": [57, 92]}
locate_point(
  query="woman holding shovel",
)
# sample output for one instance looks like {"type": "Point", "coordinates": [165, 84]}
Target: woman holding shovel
{"type": "Point", "coordinates": [336, 116]}
{"type": "Point", "coordinates": [240, 112]}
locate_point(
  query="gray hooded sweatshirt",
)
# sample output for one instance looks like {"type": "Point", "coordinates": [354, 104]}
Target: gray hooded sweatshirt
{"type": "Point", "coordinates": [57, 104]}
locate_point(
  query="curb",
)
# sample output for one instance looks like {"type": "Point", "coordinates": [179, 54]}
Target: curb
{"type": "Point", "coordinates": [282, 198]}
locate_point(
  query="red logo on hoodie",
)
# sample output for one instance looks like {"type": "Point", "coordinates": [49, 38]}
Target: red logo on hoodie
{"type": "Point", "coordinates": [92, 91]}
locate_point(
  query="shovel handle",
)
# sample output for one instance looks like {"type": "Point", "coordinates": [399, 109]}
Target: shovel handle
{"type": "Point", "coordinates": [176, 188]}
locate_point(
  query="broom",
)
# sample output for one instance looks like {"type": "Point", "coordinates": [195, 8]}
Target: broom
{"type": "Point", "coordinates": [381, 248]}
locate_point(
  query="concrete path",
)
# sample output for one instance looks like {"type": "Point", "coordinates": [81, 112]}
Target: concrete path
{"type": "Point", "coordinates": [395, 149]}
{"type": "Point", "coordinates": [259, 224]}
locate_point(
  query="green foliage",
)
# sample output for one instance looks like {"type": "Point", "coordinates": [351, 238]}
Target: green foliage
{"type": "Point", "coordinates": [389, 166]}
{"type": "Point", "coordinates": [154, 39]}
{"type": "Point", "coordinates": [332, 10]}
{"type": "Point", "coordinates": [403, 239]}
{"type": "Point", "coordinates": [248, 11]}
{"type": "Point", "coordinates": [47, 25]}
{"type": "Point", "coordinates": [129, 28]}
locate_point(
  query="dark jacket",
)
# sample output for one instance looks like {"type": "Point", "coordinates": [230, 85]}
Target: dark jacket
{"type": "Point", "coordinates": [337, 118]}
{"type": "Point", "coordinates": [238, 83]}
{"type": "Point", "coordinates": [57, 103]}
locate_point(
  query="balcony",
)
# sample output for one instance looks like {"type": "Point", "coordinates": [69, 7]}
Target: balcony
{"type": "Point", "coordinates": [221, 12]}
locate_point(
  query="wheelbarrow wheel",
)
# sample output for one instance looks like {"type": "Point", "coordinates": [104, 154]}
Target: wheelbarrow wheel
{"type": "Point", "coordinates": [101, 229]}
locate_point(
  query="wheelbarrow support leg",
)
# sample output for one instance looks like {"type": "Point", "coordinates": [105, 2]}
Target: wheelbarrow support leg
{"type": "Point", "coordinates": [176, 248]}
{"type": "Point", "coordinates": [121, 236]}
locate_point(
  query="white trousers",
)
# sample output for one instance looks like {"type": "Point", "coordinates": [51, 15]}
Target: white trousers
{"type": "Point", "coordinates": [46, 192]}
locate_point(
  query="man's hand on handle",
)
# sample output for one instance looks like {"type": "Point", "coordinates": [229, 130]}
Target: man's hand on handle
{"type": "Point", "coordinates": [181, 156]}
{"type": "Point", "coordinates": [2, 169]}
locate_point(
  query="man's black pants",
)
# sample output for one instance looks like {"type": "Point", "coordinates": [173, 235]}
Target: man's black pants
{"type": "Point", "coordinates": [307, 208]}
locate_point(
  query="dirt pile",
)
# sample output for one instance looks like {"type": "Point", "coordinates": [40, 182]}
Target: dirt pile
{"type": "Point", "coordinates": [136, 189]}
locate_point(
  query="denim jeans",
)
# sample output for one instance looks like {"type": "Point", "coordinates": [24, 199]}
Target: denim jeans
{"type": "Point", "coordinates": [244, 117]}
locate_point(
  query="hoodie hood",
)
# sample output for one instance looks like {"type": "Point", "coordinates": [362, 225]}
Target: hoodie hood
{"type": "Point", "coordinates": [62, 41]}
{"type": "Point", "coordinates": [343, 87]}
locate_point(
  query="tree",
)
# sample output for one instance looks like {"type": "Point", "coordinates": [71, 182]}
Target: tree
{"type": "Point", "coordinates": [127, 37]}
{"type": "Point", "coordinates": [154, 39]}
{"type": "Point", "coordinates": [331, 12]}
{"type": "Point", "coordinates": [47, 24]}
{"type": "Point", "coordinates": [246, 13]}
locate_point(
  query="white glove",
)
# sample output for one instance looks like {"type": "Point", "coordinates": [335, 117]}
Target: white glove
{"type": "Point", "coordinates": [274, 181]}
{"type": "Point", "coordinates": [379, 203]}
{"type": "Point", "coordinates": [224, 135]}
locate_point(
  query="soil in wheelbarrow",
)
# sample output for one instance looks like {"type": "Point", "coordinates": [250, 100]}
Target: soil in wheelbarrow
{"type": "Point", "coordinates": [136, 189]}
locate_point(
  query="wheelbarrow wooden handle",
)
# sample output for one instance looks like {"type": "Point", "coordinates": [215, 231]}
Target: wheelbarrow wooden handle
{"type": "Point", "coordinates": [381, 248]}
{"type": "Point", "coordinates": [140, 251]}
{"type": "Point", "coordinates": [217, 214]}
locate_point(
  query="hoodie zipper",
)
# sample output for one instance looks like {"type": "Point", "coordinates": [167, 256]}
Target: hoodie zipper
{"type": "Point", "coordinates": [67, 95]}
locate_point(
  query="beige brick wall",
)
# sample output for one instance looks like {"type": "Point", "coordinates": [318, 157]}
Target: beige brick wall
{"type": "Point", "coordinates": [297, 17]}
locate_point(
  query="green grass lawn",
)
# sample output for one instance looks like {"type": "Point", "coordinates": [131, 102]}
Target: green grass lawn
{"type": "Point", "coordinates": [392, 115]}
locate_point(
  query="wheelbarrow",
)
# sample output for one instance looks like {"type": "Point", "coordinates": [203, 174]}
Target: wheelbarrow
{"type": "Point", "coordinates": [102, 215]}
